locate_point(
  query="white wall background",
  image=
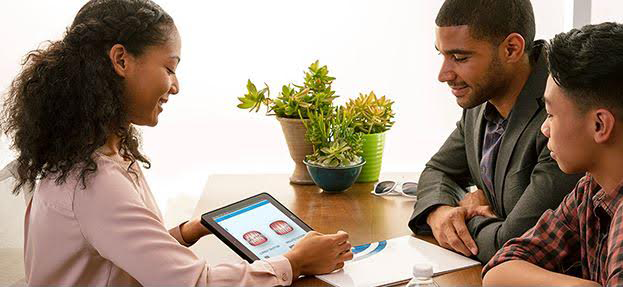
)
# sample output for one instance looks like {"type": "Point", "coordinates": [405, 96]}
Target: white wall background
{"type": "Point", "coordinates": [606, 11]}
{"type": "Point", "coordinates": [385, 46]}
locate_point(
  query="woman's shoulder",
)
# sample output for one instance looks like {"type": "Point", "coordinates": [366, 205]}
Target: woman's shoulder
{"type": "Point", "coordinates": [113, 167]}
{"type": "Point", "coordinates": [110, 179]}
{"type": "Point", "coordinates": [112, 174]}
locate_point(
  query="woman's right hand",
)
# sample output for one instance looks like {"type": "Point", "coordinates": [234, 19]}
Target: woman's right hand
{"type": "Point", "coordinates": [317, 253]}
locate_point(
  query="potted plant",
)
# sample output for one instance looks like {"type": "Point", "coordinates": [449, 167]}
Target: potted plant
{"type": "Point", "coordinates": [336, 160]}
{"type": "Point", "coordinates": [372, 117]}
{"type": "Point", "coordinates": [292, 107]}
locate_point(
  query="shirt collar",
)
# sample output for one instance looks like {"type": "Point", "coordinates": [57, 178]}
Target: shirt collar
{"type": "Point", "coordinates": [492, 115]}
{"type": "Point", "coordinates": [607, 200]}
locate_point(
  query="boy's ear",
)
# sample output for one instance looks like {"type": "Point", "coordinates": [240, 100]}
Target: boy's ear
{"type": "Point", "coordinates": [119, 58]}
{"type": "Point", "coordinates": [604, 122]}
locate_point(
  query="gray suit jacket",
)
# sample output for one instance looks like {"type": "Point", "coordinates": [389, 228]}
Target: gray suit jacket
{"type": "Point", "coordinates": [527, 180]}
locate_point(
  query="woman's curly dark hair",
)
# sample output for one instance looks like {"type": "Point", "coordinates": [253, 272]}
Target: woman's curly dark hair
{"type": "Point", "coordinates": [68, 100]}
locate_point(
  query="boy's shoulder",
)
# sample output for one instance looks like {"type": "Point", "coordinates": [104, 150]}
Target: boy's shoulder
{"type": "Point", "coordinates": [584, 188]}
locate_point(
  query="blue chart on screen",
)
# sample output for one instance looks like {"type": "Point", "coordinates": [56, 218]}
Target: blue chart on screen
{"type": "Point", "coordinates": [364, 251]}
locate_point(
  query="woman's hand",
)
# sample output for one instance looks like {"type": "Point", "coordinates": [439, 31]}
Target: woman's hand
{"type": "Point", "coordinates": [319, 254]}
{"type": "Point", "coordinates": [193, 230]}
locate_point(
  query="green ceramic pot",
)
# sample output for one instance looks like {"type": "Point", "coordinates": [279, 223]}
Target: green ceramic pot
{"type": "Point", "coordinates": [334, 179]}
{"type": "Point", "coordinates": [373, 155]}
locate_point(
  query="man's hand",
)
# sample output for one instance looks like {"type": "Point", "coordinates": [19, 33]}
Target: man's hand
{"type": "Point", "coordinates": [474, 199]}
{"type": "Point", "coordinates": [477, 204]}
{"type": "Point", "coordinates": [449, 228]}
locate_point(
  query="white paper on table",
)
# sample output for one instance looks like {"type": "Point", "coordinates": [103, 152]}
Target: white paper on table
{"type": "Point", "coordinates": [391, 262]}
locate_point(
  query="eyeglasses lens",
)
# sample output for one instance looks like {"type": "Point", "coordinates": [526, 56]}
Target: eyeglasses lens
{"type": "Point", "coordinates": [384, 187]}
{"type": "Point", "coordinates": [409, 188]}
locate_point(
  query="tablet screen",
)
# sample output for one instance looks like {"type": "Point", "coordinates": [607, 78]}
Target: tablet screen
{"type": "Point", "coordinates": [262, 228]}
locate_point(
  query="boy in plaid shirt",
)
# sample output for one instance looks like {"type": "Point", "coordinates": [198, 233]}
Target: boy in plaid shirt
{"type": "Point", "coordinates": [581, 242]}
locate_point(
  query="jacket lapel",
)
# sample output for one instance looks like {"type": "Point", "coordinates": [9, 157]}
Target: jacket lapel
{"type": "Point", "coordinates": [523, 111]}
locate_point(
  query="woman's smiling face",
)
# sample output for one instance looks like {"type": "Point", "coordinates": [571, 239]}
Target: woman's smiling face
{"type": "Point", "coordinates": [151, 78]}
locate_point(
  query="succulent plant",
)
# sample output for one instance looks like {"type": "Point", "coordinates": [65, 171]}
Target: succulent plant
{"type": "Point", "coordinates": [336, 133]}
{"type": "Point", "coordinates": [294, 101]}
{"type": "Point", "coordinates": [335, 141]}
{"type": "Point", "coordinates": [370, 114]}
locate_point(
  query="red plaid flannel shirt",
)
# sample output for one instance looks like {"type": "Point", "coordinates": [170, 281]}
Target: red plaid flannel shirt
{"type": "Point", "coordinates": [583, 237]}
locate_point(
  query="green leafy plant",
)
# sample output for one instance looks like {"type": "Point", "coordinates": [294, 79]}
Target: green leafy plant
{"type": "Point", "coordinates": [294, 101]}
{"type": "Point", "coordinates": [370, 114]}
{"type": "Point", "coordinates": [334, 139]}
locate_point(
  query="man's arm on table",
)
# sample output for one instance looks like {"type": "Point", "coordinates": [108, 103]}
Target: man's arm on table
{"type": "Point", "coordinates": [443, 183]}
{"type": "Point", "coordinates": [444, 179]}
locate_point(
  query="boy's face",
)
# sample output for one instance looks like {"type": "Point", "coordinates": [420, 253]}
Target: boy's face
{"type": "Point", "coordinates": [471, 67]}
{"type": "Point", "coordinates": [569, 131]}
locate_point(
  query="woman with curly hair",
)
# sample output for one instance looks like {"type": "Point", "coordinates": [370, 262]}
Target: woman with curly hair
{"type": "Point", "coordinates": [92, 219]}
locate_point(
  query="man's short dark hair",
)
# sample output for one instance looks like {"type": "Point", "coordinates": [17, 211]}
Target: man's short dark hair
{"type": "Point", "coordinates": [587, 63]}
{"type": "Point", "coordinates": [491, 20]}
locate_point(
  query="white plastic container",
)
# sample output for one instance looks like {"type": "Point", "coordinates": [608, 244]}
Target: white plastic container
{"type": "Point", "coordinates": [422, 276]}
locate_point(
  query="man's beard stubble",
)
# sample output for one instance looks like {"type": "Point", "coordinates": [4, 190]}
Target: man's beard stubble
{"type": "Point", "coordinates": [494, 84]}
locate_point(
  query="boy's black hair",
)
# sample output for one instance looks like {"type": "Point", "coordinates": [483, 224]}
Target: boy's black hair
{"type": "Point", "coordinates": [587, 63]}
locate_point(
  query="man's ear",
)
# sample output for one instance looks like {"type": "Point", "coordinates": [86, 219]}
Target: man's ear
{"type": "Point", "coordinates": [513, 48]}
{"type": "Point", "coordinates": [119, 57]}
{"type": "Point", "coordinates": [604, 122]}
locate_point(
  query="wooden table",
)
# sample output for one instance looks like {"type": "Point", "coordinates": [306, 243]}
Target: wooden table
{"type": "Point", "coordinates": [365, 217]}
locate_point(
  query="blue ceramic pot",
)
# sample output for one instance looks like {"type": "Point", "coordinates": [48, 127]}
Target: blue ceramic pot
{"type": "Point", "coordinates": [334, 179]}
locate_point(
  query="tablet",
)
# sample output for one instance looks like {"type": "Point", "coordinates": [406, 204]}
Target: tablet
{"type": "Point", "coordinates": [257, 227]}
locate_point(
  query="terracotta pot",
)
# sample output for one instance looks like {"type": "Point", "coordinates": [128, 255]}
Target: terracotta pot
{"type": "Point", "coordinates": [294, 131]}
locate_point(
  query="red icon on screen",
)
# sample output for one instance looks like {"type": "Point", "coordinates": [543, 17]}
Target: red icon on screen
{"type": "Point", "coordinates": [255, 238]}
{"type": "Point", "coordinates": [281, 227]}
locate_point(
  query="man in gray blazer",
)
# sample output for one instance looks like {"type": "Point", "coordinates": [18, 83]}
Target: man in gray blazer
{"type": "Point", "coordinates": [498, 75]}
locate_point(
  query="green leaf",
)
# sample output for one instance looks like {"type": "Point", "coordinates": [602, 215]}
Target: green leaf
{"type": "Point", "coordinates": [245, 103]}
{"type": "Point", "coordinates": [251, 87]}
